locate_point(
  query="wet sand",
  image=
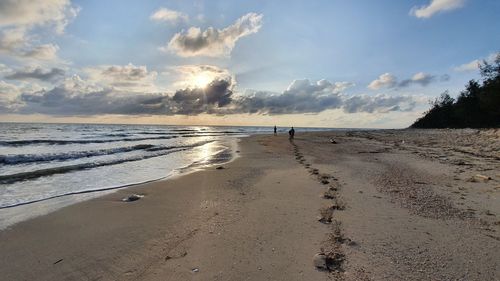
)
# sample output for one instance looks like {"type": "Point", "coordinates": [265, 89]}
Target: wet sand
{"type": "Point", "coordinates": [379, 205]}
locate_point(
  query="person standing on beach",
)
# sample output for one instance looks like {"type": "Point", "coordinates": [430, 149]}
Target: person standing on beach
{"type": "Point", "coordinates": [291, 133]}
{"type": "Point", "coordinates": [275, 130]}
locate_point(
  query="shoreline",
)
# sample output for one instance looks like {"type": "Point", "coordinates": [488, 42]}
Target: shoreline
{"type": "Point", "coordinates": [110, 239]}
{"type": "Point", "coordinates": [54, 203]}
{"type": "Point", "coordinates": [369, 205]}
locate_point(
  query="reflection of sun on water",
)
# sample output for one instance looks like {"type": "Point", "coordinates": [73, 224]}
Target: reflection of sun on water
{"type": "Point", "coordinates": [206, 151]}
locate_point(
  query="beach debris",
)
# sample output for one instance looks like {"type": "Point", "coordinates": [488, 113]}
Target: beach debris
{"type": "Point", "coordinates": [332, 141]}
{"type": "Point", "coordinates": [133, 197]}
{"type": "Point", "coordinates": [58, 261]}
{"type": "Point", "coordinates": [319, 261]}
{"type": "Point", "coordinates": [220, 168]}
{"type": "Point", "coordinates": [479, 178]}
{"type": "Point", "coordinates": [195, 269]}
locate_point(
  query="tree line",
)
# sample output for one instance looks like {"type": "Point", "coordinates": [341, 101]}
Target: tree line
{"type": "Point", "coordinates": [478, 106]}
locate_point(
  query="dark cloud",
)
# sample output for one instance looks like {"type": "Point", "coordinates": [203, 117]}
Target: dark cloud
{"type": "Point", "coordinates": [72, 101]}
{"type": "Point", "coordinates": [195, 101]}
{"type": "Point", "coordinates": [37, 73]}
{"type": "Point", "coordinates": [61, 101]}
{"type": "Point", "coordinates": [302, 96]}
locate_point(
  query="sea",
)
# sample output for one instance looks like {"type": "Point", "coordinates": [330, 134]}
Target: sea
{"type": "Point", "coordinates": [44, 167]}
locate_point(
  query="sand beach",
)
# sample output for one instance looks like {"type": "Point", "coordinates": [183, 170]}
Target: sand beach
{"type": "Point", "coordinates": [349, 205]}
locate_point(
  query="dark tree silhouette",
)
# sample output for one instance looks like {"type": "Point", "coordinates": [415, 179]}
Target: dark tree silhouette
{"type": "Point", "coordinates": [478, 106]}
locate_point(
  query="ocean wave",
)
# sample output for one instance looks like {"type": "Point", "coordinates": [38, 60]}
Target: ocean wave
{"type": "Point", "coordinates": [117, 135]}
{"type": "Point", "coordinates": [30, 158]}
{"type": "Point", "coordinates": [63, 142]}
{"type": "Point", "coordinates": [12, 178]}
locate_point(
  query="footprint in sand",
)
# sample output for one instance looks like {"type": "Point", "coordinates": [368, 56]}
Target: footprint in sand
{"type": "Point", "coordinates": [314, 171]}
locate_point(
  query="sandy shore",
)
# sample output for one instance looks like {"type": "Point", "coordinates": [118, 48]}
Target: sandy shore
{"type": "Point", "coordinates": [380, 205]}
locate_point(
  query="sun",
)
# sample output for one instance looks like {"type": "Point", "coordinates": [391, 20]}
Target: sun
{"type": "Point", "coordinates": [201, 80]}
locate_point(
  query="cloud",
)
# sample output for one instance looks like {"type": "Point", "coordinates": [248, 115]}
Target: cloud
{"type": "Point", "coordinates": [78, 97]}
{"type": "Point", "coordinates": [195, 69]}
{"type": "Point", "coordinates": [385, 80]}
{"type": "Point", "coordinates": [42, 52]}
{"type": "Point", "coordinates": [390, 81]}
{"type": "Point", "coordinates": [7, 89]}
{"type": "Point", "coordinates": [474, 65]}
{"type": "Point", "coordinates": [379, 103]}
{"type": "Point", "coordinates": [166, 15]}
{"type": "Point", "coordinates": [189, 75]}
{"type": "Point", "coordinates": [15, 42]}
{"type": "Point", "coordinates": [127, 72]}
{"type": "Point", "coordinates": [422, 79]}
{"type": "Point", "coordinates": [4, 69]}
{"type": "Point", "coordinates": [123, 77]}
{"type": "Point", "coordinates": [12, 38]}
{"type": "Point", "coordinates": [9, 97]}
{"type": "Point", "coordinates": [303, 96]}
{"type": "Point", "coordinates": [213, 42]}
{"type": "Point", "coordinates": [18, 18]}
{"type": "Point", "coordinates": [202, 100]}
{"type": "Point", "coordinates": [436, 6]}
{"type": "Point", "coordinates": [73, 99]}
{"type": "Point", "coordinates": [29, 13]}
{"type": "Point", "coordinates": [37, 73]}
{"type": "Point", "coordinates": [470, 66]}
{"type": "Point", "coordinates": [62, 101]}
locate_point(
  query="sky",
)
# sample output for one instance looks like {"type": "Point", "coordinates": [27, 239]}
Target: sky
{"type": "Point", "coordinates": [331, 63]}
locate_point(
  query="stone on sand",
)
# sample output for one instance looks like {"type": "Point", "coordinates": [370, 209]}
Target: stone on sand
{"type": "Point", "coordinates": [133, 197]}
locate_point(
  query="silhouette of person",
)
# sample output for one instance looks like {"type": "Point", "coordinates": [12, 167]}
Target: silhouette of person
{"type": "Point", "coordinates": [275, 130]}
{"type": "Point", "coordinates": [291, 133]}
